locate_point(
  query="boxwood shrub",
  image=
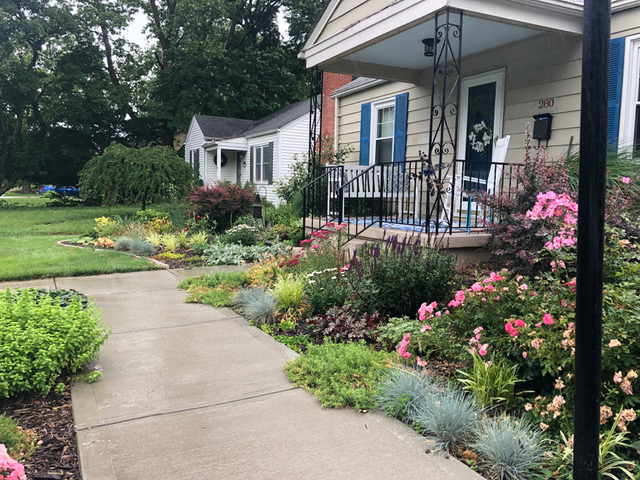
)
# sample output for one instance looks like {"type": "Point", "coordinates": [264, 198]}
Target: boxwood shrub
{"type": "Point", "coordinates": [40, 338]}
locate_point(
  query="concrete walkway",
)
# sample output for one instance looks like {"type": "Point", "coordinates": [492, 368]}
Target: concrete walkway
{"type": "Point", "coordinates": [193, 392]}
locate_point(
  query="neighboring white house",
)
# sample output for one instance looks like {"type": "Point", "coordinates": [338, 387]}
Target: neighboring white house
{"type": "Point", "coordinates": [258, 152]}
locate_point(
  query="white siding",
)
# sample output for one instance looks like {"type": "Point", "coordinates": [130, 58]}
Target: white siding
{"type": "Point", "coordinates": [545, 66]}
{"type": "Point", "coordinates": [194, 141]}
{"type": "Point", "coordinates": [294, 144]}
{"type": "Point", "coordinates": [262, 187]}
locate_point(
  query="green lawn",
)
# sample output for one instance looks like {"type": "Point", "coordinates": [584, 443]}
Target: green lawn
{"type": "Point", "coordinates": [29, 249]}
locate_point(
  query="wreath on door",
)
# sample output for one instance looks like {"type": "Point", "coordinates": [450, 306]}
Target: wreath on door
{"type": "Point", "coordinates": [224, 160]}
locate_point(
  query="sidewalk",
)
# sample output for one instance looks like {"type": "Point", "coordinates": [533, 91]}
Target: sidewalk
{"type": "Point", "coordinates": [193, 392]}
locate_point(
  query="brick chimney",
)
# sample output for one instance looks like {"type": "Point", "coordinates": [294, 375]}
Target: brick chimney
{"type": "Point", "coordinates": [330, 83]}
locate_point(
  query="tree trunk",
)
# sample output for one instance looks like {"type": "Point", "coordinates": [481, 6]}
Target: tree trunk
{"type": "Point", "coordinates": [26, 188]}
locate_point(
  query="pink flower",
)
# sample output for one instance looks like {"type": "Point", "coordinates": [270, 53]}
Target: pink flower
{"type": "Point", "coordinates": [489, 288]}
{"type": "Point", "coordinates": [438, 314]}
{"type": "Point", "coordinates": [523, 287]}
{"type": "Point", "coordinates": [524, 354]}
{"type": "Point", "coordinates": [425, 328]}
{"type": "Point", "coordinates": [617, 377]}
{"type": "Point", "coordinates": [453, 303]}
{"type": "Point", "coordinates": [422, 363]}
{"type": "Point", "coordinates": [520, 323]}
{"type": "Point", "coordinates": [494, 277]}
{"type": "Point", "coordinates": [625, 179]}
{"type": "Point", "coordinates": [518, 278]}
{"type": "Point", "coordinates": [476, 287]}
{"type": "Point", "coordinates": [460, 296]}
{"type": "Point", "coordinates": [483, 349]}
{"type": "Point", "coordinates": [547, 319]}
{"type": "Point", "coordinates": [446, 312]}
{"type": "Point", "coordinates": [305, 241]}
{"type": "Point", "coordinates": [614, 343]}
{"type": "Point", "coordinates": [402, 349]}
{"type": "Point", "coordinates": [625, 386]}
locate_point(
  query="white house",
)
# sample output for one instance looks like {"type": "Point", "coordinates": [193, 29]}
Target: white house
{"type": "Point", "coordinates": [241, 151]}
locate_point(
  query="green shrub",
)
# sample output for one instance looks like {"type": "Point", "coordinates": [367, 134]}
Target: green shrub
{"type": "Point", "coordinates": [256, 304]}
{"type": "Point", "coordinates": [340, 374]}
{"type": "Point", "coordinates": [219, 254]}
{"type": "Point", "coordinates": [39, 339]}
{"type": "Point", "coordinates": [14, 438]}
{"type": "Point", "coordinates": [288, 292]}
{"type": "Point", "coordinates": [395, 277]}
{"type": "Point", "coordinates": [325, 289]}
{"type": "Point", "coordinates": [145, 216]}
{"type": "Point", "coordinates": [240, 234]}
{"type": "Point", "coordinates": [216, 289]}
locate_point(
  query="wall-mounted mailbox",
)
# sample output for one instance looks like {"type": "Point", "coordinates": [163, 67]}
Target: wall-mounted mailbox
{"type": "Point", "coordinates": [542, 127]}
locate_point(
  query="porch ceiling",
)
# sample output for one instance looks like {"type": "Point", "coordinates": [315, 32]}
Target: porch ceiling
{"type": "Point", "coordinates": [388, 44]}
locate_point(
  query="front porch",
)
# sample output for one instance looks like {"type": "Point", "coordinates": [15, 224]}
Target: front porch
{"type": "Point", "coordinates": [427, 175]}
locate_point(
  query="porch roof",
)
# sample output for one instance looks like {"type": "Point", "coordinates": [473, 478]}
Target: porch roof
{"type": "Point", "coordinates": [383, 38]}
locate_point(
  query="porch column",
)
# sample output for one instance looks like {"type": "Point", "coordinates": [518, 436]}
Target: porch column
{"type": "Point", "coordinates": [445, 101]}
{"type": "Point", "coordinates": [219, 163]}
{"type": "Point", "coordinates": [315, 118]}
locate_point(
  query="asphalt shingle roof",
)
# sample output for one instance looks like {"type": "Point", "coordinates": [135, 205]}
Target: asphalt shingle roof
{"type": "Point", "coordinates": [219, 128]}
{"type": "Point", "coordinates": [222, 127]}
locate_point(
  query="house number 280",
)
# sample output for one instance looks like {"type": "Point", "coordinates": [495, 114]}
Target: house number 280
{"type": "Point", "coordinates": [545, 103]}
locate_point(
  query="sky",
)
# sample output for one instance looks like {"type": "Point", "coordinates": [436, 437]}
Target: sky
{"type": "Point", "coordinates": [135, 31]}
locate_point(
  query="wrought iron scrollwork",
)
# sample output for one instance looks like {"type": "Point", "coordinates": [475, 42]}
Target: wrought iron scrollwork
{"type": "Point", "coordinates": [315, 118]}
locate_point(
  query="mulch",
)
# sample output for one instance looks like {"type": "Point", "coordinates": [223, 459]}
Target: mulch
{"type": "Point", "coordinates": [50, 418]}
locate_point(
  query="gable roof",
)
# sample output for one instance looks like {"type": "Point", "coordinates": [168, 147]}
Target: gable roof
{"type": "Point", "coordinates": [360, 83]}
{"type": "Point", "coordinates": [279, 119]}
{"type": "Point", "coordinates": [222, 127]}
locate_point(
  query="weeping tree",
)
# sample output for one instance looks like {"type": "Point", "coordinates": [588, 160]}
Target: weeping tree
{"type": "Point", "coordinates": [123, 175]}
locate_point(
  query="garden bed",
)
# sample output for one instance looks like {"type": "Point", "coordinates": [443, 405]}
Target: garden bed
{"type": "Point", "coordinates": [50, 419]}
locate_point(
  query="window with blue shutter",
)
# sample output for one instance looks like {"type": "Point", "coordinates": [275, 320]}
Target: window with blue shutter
{"type": "Point", "coordinates": [616, 68]}
{"type": "Point", "coordinates": [387, 137]}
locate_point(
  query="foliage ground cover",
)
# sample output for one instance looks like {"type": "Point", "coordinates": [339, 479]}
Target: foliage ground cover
{"type": "Point", "coordinates": [340, 374]}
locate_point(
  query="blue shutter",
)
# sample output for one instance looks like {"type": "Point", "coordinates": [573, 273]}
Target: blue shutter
{"type": "Point", "coordinates": [616, 68]}
{"type": "Point", "coordinates": [400, 127]}
{"type": "Point", "coordinates": [365, 132]}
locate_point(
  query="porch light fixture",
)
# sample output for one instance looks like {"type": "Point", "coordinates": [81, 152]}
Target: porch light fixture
{"type": "Point", "coordinates": [429, 46]}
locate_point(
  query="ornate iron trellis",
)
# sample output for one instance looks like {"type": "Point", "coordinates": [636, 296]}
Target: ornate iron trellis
{"type": "Point", "coordinates": [315, 119]}
{"type": "Point", "coordinates": [445, 99]}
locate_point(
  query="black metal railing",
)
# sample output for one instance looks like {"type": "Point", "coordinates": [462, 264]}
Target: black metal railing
{"type": "Point", "coordinates": [413, 195]}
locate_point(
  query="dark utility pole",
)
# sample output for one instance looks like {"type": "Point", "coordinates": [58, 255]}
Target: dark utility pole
{"type": "Point", "coordinates": [591, 194]}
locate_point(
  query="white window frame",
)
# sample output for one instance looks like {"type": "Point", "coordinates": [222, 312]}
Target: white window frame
{"type": "Point", "coordinates": [263, 148]}
{"type": "Point", "coordinates": [629, 98]}
{"type": "Point", "coordinates": [373, 134]}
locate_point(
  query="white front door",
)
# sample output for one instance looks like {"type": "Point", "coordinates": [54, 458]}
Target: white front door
{"type": "Point", "coordinates": [481, 118]}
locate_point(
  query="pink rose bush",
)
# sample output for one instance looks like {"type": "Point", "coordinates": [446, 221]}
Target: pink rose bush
{"type": "Point", "coordinates": [9, 468]}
